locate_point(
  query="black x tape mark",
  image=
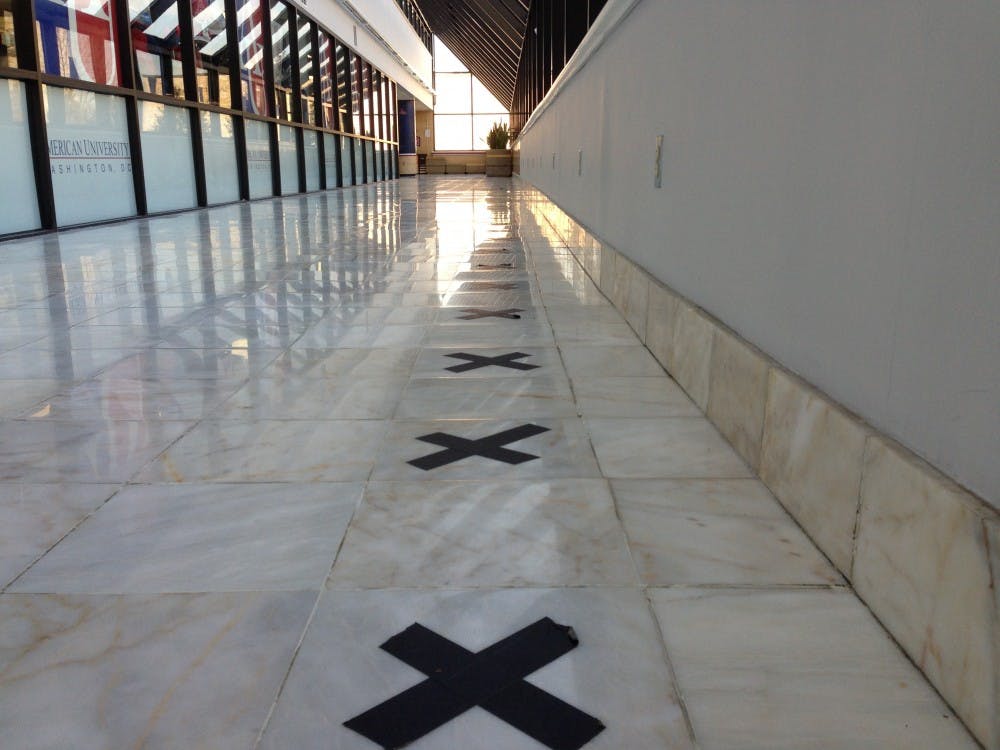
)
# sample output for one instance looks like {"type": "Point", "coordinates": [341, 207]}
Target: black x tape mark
{"type": "Point", "coordinates": [475, 361]}
{"type": "Point", "coordinates": [474, 313]}
{"type": "Point", "coordinates": [491, 446]}
{"type": "Point", "coordinates": [492, 679]}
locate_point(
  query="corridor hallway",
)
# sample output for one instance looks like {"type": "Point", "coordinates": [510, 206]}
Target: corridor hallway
{"type": "Point", "coordinates": [241, 448]}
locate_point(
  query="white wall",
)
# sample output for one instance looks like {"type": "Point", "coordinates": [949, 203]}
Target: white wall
{"type": "Point", "coordinates": [831, 190]}
{"type": "Point", "coordinates": [386, 18]}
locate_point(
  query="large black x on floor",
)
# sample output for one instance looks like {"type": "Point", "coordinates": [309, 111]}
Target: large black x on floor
{"type": "Point", "coordinates": [493, 679]}
{"type": "Point", "coordinates": [491, 446]}
{"type": "Point", "coordinates": [475, 361]}
{"type": "Point", "coordinates": [473, 313]}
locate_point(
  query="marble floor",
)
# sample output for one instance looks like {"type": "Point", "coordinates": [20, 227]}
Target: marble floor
{"type": "Point", "coordinates": [242, 448]}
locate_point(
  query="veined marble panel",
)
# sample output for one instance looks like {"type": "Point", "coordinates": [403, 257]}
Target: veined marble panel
{"type": "Point", "coordinates": [308, 398]}
{"type": "Point", "coordinates": [496, 332]}
{"type": "Point", "coordinates": [33, 517]}
{"type": "Point", "coordinates": [108, 398]}
{"type": "Point", "coordinates": [672, 447]}
{"type": "Point", "coordinates": [612, 396]}
{"type": "Point", "coordinates": [546, 532]}
{"type": "Point", "coordinates": [193, 538]}
{"type": "Point", "coordinates": [811, 459]}
{"type": "Point", "coordinates": [922, 564]}
{"type": "Point", "coordinates": [235, 363]}
{"type": "Point", "coordinates": [19, 396]}
{"type": "Point", "coordinates": [609, 361]}
{"type": "Point", "coordinates": [715, 532]}
{"type": "Point", "coordinates": [477, 398]}
{"type": "Point", "coordinates": [303, 363]}
{"type": "Point", "coordinates": [787, 670]}
{"type": "Point", "coordinates": [617, 673]}
{"type": "Point", "coordinates": [737, 393]}
{"type": "Point", "coordinates": [690, 356]}
{"type": "Point", "coordinates": [112, 672]}
{"type": "Point", "coordinates": [591, 333]}
{"type": "Point", "coordinates": [92, 452]}
{"type": "Point", "coordinates": [661, 320]}
{"type": "Point", "coordinates": [270, 451]}
{"type": "Point", "coordinates": [326, 336]}
{"type": "Point", "coordinates": [55, 360]}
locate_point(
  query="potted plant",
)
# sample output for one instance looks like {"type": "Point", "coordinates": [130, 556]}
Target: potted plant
{"type": "Point", "coordinates": [498, 160]}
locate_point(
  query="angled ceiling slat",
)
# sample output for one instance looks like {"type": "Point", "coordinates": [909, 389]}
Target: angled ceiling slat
{"type": "Point", "coordinates": [486, 35]}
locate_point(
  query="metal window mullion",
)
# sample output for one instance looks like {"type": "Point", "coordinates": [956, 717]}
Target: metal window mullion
{"type": "Point", "coordinates": [271, 92]}
{"type": "Point", "coordinates": [236, 99]}
{"type": "Point", "coordinates": [296, 113]}
{"type": "Point", "coordinates": [184, 20]}
{"type": "Point", "coordinates": [27, 59]}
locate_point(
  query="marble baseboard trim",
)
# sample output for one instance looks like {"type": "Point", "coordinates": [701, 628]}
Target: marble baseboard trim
{"type": "Point", "coordinates": [922, 562]}
{"type": "Point", "coordinates": [811, 459]}
{"type": "Point", "coordinates": [737, 393]}
{"type": "Point", "coordinates": [922, 552]}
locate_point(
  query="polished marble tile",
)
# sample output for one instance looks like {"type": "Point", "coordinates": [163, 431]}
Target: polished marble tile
{"type": "Point", "coordinates": [194, 538]}
{"type": "Point", "coordinates": [57, 360]}
{"type": "Point", "coordinates": [81, 451]}
{"type": "Point", "coordinates": [595, 334]}
{"type": "Point", "coordinates": [571, 315]}
{"type": "Point", "coordinates": [111, 672]}
{"type": "Point", "coordinates": [290, 397]}
{"type": "Point", "coordinates": [609, 361]}
{"type": "Point", "coordinates": [12, 338]}
{"type": "Point", "coordinates": [307, 364]}
{"type": "Point", "coordinates": [325, 336]}
{"type": "Point", "coordinates": [563, 451]}
{"type": "Point", "coordinates": [480, 334]}
{"type": "Point", "coordinates": [478, 398]}
{"type": "Point", "coordinates": [547, 532]}
{"type": "Point", "coordinates": [786, 670]}
{"type": "Point", "coordinates": [258, 375]}
{"type": "Point", "coordinates": [716, 531]}
{"type": "Point", "coordinates": [33, 517]}
{"type": "Point", "coordinates": [617, 673]}
{"type": "Point", "coordinates": [109, 398]}
{"type": "Point", "coordinates": [20, 396]}
{"type": "Point", "coordinates": [270, 451]}
{"type": "Point", "coordinates": [672, 447]}
{"type": "Point", "coordinates": [232, 363]}
{"type": "Point", "coordinates": [612, 396]}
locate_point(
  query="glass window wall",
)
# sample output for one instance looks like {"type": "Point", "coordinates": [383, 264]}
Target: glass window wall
{"type": "Point", "coordinates": [212, 52]}
{"type": "Point", "coordinates": [156, 41]}
{"type": "Point", "coordinates": [307, 83]}
{"type": "Point", "coordinates": [250, 34]}
{"type": "Point", "coordinates": [8, 45]}
{"type": "Point", "coordinates": [78, 42]}
{"type": "Point", "coordinates": [327, 84]}
{"type": "Point", "coordinates": [316, 80]}
{"type": "Point", "coordinates": [281, 46]}
{"type": "Point", "coordinates": [464, 110]}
